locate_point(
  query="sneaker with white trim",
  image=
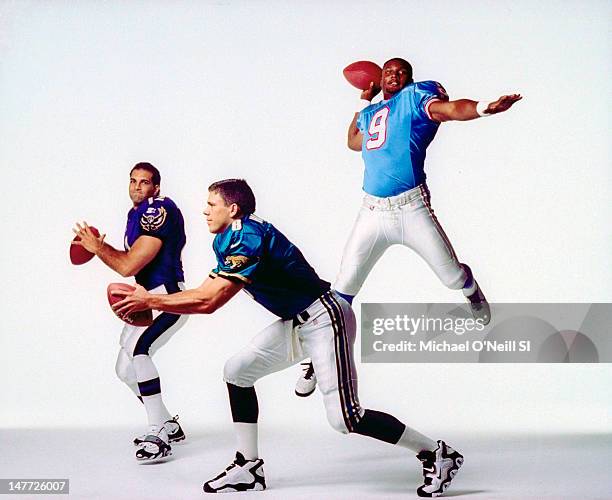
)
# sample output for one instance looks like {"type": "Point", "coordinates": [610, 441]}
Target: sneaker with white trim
{"type": "Point", "coordinates": [240, 475]}
{"type": "Point", "coordinates": [173, 428]}
{"type": "Point", "coordinates": [155, 444]}
{"type": "Point", "coordinates": [439, 469]}
{"type": "Point", "coordinates": [307, 383]}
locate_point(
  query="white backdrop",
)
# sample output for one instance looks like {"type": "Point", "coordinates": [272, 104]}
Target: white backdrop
{"type": "Point", "coordinates": [210, 90]}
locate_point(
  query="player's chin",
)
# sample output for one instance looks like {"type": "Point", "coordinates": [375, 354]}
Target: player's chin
{"type": "Point", "coordinates": [392, 89]}
{"type": "Point", "coordinates": [137, 198]}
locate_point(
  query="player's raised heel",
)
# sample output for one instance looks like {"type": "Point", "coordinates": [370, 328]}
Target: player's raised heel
{"type": "Point", "coordinates": [155, 445]}
{"type": "Point", "coordinates": [240, 475]}
{"type": "Point", "coordinates": [439, 469]}
{"type": "Point", "coordinates": [307, 383]}
{"type": "Point", "coordinates": [173, 428]}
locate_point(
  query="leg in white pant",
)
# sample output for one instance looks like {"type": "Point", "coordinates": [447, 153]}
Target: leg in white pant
{"type": "Point", "coordinates": [367, 242]}
{"type": "Point", "coordinates": [423, 233]}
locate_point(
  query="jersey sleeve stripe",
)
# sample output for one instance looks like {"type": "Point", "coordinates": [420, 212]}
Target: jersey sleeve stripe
{"type": "Point", "coordinates": [427, 104]}
{"type": "Point", "coordinates": [234, 277]}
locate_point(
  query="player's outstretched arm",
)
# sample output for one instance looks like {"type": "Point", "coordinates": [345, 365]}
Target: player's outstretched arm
{"type": "Point", "coordinates": [206, 299]}
{"type": "Point", "coordinates": [466, 109]}
{"type": "Point", "coordinates": [143, 251]}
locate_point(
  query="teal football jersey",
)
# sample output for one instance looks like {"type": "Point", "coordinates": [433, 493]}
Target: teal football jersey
{"type": "Point", "coordinates": [273, 270]}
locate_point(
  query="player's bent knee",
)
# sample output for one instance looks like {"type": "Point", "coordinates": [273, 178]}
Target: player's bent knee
{"type": "Point", "coordinates": [236, 371]}
{"type": "Point", "coordinates": [336, 420]}
{"type": "Point", "coordinates": [124, 368]}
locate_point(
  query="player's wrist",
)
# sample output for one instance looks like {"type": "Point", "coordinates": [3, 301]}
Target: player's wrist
{"type": "Point", "coordinates": [481, 106]}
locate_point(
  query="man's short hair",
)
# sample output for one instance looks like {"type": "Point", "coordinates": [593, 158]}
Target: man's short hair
{"type": "Point", "coordinates": [155, 175]}
{"type": "Point", "coordinates": [235, 191]}
{"type": "Point", "coordinates": [404, 63]}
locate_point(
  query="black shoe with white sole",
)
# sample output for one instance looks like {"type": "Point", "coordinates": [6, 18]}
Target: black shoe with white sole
{"type": "Point", "coordinates": [155, 445]}
{"type": "Point", "coordinates": [241, 475]}
{"type": "Point", "coordinates": [173, 428]}
{"type": "Point", "coordinates": [479, 306]}
{"type": "Point", "coordinates": [439, 469]}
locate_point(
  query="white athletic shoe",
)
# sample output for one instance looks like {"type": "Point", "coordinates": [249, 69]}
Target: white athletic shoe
{"type": "Point", "coordinates": [307, 383]}
{"type": "Point", "coordinates": [439, 469]}
{"type": "Point", "coordinates": [241, 475]}
{"type": "Point", "coordinates": [173, 428]}
{"type": "Point", "coordinates": [155, 444]}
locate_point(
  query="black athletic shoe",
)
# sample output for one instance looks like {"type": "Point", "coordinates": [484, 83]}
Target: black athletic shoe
{"type": "Point", "coordinates": [439, 469]}
{"type": "Point", "coordinates": [155, 444]}
{"type": "Point", "coordinates": [241, 475]}
{"type": "Point", "coordinates": [307, 383]}
{"type": "Point", "coordinates": [479, 306]}
{"type": "Point", "coordinates": [173, 428]}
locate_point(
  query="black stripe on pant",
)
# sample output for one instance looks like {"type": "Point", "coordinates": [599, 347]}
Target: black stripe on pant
{"type": "Point", "coordinates": [161, 325]}
{"type": "Point", "coordinates": [348, 401]}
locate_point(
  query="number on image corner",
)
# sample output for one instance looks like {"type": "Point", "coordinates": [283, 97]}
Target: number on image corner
{"type": "Point", "coordinates": [378, 129]}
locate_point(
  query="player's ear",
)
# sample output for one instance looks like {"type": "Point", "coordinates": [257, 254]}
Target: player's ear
{"type": "Point", "coordinates": [156, 192]}
{"type": "Point", "coordinates": [234, 210]}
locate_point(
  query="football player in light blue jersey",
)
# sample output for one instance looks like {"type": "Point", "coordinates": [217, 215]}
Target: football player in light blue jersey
{"type": "Point", "coordinates": [393, 136]}
{"type": "Point", "coordinates": [313, 321]}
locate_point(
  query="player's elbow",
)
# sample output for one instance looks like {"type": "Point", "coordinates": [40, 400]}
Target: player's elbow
{"type": "Point", "coordinates": [126, 271]}
{"type": "Point", "coordinates": [353, 143]}
{"type": "Point", "coordinates": [129, 269]}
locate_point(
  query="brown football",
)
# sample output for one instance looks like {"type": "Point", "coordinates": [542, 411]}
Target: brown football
{"type": "Point", "coordinates": [140, 318]}
{"type": "Point", "coordinates": [361, 73]}
{"type": "Point", "coordinates": [78, 254]}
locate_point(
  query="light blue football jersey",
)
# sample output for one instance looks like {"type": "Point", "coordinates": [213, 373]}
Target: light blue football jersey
{"type": "Point", "coordinates": [396, 133]}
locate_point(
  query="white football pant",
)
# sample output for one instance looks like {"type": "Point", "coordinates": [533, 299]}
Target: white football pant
{"type": "Point", "coordinates": [153, 337]}
{"type": "Point", "coordinates": [406, 219]}
{"type": "Point", "coordinates": [327, 337]}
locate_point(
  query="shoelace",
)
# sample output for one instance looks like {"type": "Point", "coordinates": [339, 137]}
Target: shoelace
{"type": "Point", "coordinates": [309, 369]}
{"type": "Point", "coordinates": [235, 463]}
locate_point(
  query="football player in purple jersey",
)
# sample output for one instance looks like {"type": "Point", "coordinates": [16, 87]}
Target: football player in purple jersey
{"type": "Point", "coordinates": [153, 242]}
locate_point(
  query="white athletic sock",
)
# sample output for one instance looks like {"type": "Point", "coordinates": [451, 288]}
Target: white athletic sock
{"type": "Point", "coordinates": [157, 413]}
{"type": "Point", "coordinates": [246, 437]}
{"type": "Point", "coordinates": [134, 388]}
{"type": "Point", "coordinates": [469, 291]}
{"type": "Point", "coordinates": [415, 441]}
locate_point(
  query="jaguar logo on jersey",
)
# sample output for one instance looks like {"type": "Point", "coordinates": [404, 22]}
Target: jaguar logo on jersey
{"type": "Point", "coordinates": [236, 262]}
{"type": "Point", "coordinates": [153, 219]}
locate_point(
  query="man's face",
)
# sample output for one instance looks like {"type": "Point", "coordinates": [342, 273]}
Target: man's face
{"type": "Point", "coordinates": [395, 76]}
{"type": "Point", "coordinates": [141, 186]}
{"type": "Point", "coordinates": [219, 215]}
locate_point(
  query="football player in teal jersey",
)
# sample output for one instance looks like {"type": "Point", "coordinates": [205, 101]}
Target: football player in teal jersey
{"type": "Point", "coordinates": [313, 321]}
